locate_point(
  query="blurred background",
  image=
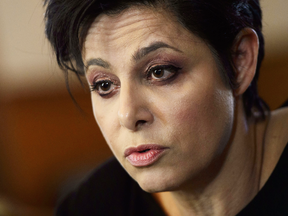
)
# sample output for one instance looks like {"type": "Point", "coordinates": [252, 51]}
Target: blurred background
{"type": "Point", "coordinates": [47, 144]}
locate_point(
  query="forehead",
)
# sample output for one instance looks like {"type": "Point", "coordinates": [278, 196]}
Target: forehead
{"type": "Point", "coordinates": [130, 18]}
{"type": "Point", "coordinates": [135, 27]}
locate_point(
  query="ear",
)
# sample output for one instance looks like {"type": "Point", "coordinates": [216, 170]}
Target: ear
{"type": "Point", "coordinates": [244, 56]}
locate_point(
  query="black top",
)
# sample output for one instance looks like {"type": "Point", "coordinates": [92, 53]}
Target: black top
{"type": "Point", "coordinates": [272, 199]}
{"type": "Point", "coordinates": [111, 191]}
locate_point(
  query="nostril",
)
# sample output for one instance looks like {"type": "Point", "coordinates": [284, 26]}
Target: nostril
{"type": "Point", "coordinates": [140, 122]}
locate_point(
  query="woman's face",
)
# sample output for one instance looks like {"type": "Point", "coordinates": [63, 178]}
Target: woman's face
{"type": "Point", "coordinates": [158, 97]}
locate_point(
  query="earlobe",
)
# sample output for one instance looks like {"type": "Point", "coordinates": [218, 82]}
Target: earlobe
{"type": "Point", "coordinates": [244, 56]}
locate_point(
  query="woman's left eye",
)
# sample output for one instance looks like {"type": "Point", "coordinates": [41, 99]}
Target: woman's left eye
{"type": "Point", "coordinates": [162, 72]}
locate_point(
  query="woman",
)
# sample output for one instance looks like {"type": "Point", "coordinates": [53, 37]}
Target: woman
{"type": "Point", "coordinates": [174, 92]}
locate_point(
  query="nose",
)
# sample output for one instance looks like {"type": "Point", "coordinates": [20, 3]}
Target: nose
{"type": "Point", "coordinates": [134, 112]}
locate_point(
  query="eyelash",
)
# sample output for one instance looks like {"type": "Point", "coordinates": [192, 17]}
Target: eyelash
{"type": "Point", "coordinates": [173, 70]}
{"type": "Point", "coordinates": [97, 85]}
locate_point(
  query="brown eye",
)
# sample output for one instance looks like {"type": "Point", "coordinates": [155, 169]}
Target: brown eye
{"type": "Point", "coordinates": [162, 72]}
{"type": "Point", "coordinates": [158, 73]}
{"type": "Point", "coordinates": [105, 86]}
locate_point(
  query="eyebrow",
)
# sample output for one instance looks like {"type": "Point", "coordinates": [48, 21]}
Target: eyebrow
{"type": "Point", "coordinates": [137, 56]}
{"type": "Point", "coordinates": [99, 62]}
{"type": "Point", "coordinates": [152, 47]}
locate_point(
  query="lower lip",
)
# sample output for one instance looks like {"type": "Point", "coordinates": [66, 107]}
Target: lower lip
{"type": "Point", "coordinates": [145, 158]}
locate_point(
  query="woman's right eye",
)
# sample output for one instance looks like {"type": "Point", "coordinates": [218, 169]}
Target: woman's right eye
{"type": "Point", "coordinates": [103, 87]}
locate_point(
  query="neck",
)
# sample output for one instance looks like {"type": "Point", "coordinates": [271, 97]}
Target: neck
{"type": "Point", "coordinates": [235, 182]}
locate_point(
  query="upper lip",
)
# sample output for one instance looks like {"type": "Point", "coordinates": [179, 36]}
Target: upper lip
{"type": "Point", "coordinates": [131, 150]}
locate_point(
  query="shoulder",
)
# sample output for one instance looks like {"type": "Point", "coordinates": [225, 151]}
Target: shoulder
{"type": "Point", "coordinates": [109, 190]}
{"type": "Point", "coordinates": [105, 187]}
{"type": "Point", "coordinates": [277, 131]}
{"type": "Point", "coordinates": [275, 140]}
{"type": "Point", "coordinates": [108, 176]}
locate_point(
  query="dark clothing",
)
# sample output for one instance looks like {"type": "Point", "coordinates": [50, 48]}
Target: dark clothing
{"type": "Point", "coordinates": [272, 199]}
{"type": "Point", "coordinates": [109, 191]}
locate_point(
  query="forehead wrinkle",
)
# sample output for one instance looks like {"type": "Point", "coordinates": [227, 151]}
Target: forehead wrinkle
{"type": "Point", "coordinates": [118, 31]}
{"type": "Point", "coordinates": [110, 25]}
{"type": "Point", "coordinates": [127, 17]}
{"type": "Point", "coordinates": [132, 18]}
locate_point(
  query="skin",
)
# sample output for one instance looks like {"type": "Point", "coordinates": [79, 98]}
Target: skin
{"type": "Point", "coordinates": [212, 164]}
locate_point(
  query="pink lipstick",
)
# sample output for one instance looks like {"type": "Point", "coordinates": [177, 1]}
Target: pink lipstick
{"type": "Point", "coordinates": [144, 155]}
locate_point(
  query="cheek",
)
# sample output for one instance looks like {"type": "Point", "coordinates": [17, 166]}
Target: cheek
{"type": "Point", "coordinates": [201, 119]}
{"type": "Point", "coordinates": [104, 115]}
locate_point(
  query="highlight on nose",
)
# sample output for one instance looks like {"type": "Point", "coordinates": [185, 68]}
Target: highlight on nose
{"type": "Point", "coordinates": [134, 118]}
{"type": "Point", "coordinates": [122, 117]}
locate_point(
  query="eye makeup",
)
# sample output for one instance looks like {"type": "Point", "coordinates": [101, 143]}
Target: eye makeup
{"type": "Point", "coordinates": [103, 83]}
{"type": "Point", "coordinates": [162, 73]}
{"type": "Point", "coordinates": [163, 68]}
{"type": "Point", "coordinates": [158, 69]}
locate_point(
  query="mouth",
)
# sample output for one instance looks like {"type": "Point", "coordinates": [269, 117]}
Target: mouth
{"type": "Point", "coordinates": [144, 155]}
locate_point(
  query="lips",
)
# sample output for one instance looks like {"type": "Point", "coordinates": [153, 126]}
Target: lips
{"type": "Point", "coordinates": [144, 155]}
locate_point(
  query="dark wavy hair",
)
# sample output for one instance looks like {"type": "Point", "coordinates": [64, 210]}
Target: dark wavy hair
{"type": "Point", "coordinates": [216, 21]}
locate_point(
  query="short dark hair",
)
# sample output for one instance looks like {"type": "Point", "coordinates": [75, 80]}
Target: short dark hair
{"type": "Point", "coordinates": [217, 22]}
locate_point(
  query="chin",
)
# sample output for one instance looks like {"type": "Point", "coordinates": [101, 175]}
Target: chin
{"type": "Point", "coordinates": [153, 182]}
{"type": "Point", "coordinates": [156, 187]}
